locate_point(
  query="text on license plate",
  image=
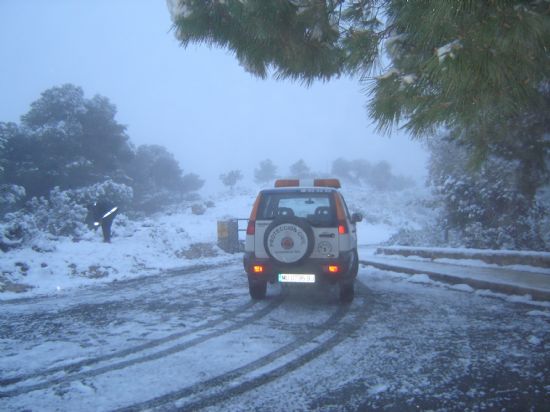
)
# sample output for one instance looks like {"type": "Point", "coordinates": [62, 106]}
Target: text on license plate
{"type": "Point", "coordinates": [296, 278]}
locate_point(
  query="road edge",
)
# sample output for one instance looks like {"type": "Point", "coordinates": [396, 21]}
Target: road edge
{"type": "Point", "coordinates": [455, 280]}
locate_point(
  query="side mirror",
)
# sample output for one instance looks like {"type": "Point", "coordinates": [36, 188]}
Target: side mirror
{"type": "Point", "coordinates": [356, 218]}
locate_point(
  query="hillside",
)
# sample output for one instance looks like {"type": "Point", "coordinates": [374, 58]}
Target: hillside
{"type": "Point", "coordinates": [180, 238]}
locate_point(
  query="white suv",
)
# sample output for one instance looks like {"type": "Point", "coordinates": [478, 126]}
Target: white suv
{"type": "Point", "coordinates": [301, 232]}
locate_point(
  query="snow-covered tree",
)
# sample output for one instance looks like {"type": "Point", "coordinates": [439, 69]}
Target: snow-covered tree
{"type": "Point", "coordinates": [266, 171]}
{"type": "Point", "coordinates": [65, 140]}
{"type": "Point", "coordinates": [379, 175]}
{"type": "Point", "coordinates": [231, 178]}
{"type": "Point", "coordinates": [485, 207]}
{"type": "Point", "coordinates": [341, 168]}
{"type": "Point", "coordinates": [154, 167]}
{"type": "Point", "coordinates": [361, 170]}
{"type": "Point", "coordinates": [453, 63]}
{"type": "Point", "coordinates": [68, 141]}
{"type": "Point", "coordinates": [300, 169]}
{"type": "Point", "coordinates": [191, 182]}
{"type": "Point", "coordinates": [157, 178]}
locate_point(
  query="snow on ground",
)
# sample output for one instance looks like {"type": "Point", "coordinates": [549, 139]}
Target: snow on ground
{"type": "Point", "coordinates": [426, 280]}
{"type": "Point", "coordinates": [463, 262]}
{"type": "Point", "coordinates": [473, 252]}
{"type": "Point", "coordinates": [179, 238]}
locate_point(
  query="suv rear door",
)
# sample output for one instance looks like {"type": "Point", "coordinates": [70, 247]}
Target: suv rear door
{"type": "Point", "coordinates": [314, 206]}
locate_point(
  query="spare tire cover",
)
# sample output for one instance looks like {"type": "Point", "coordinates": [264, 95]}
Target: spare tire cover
{"type": "Point", "coordinates": [288, 240]}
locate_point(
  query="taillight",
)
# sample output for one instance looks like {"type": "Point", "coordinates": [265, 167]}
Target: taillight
{"type": "Point", "coordinates": [332, 269]}
{"type": "Point", "coordinates": [258, 269]}
{"type": "Point", "coordinates": [251, 228]}
{"type": "Point", "coordinates": [342, 229]}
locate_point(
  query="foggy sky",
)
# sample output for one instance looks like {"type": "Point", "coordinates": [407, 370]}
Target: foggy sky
{"type": "Point", "coordinates": [198, 102]}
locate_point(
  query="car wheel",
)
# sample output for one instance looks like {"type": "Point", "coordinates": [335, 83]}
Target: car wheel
{"type": "Point", "coordinates": [347, 293]}
{"type": "Point", "coordinates": [257, 289]}
{"type": "Point", "coordinates": [289, 240]}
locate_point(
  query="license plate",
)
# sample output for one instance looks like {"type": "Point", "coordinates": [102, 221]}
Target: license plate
{"type": "Point", "coordinates": [296, 278]}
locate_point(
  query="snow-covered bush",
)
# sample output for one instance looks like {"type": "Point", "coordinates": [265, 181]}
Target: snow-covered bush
{"type": "Point", "coordinates": [62, 213]}
{"type": "Point", "coordinates": [59, 215]}
{"type": "Point", "coordinates": [17, 229]}
{"type": "Point", "coordinates": [485, 207]}
{"type": "Point", "coordinates": [11, 197]}
{"type": "Point", "coordinates": [116, 193]}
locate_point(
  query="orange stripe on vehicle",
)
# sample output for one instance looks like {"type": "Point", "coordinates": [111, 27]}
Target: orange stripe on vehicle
{"type": "Point", "coordinates": [254, 212]}
{"type": "Point", "coordinates": [340, 212]}
{"type": "Point", "coordinates": [340, 215]}
{"type": "Point", "coordinates": [251, 227]}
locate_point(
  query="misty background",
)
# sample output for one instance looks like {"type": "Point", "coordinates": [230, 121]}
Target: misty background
{"type": "Point", "coordinates": [99, 100]}
{"type": "Point", "coordinates": [198, 102]}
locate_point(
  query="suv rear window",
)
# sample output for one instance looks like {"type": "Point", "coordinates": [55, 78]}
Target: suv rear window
{"type": "Point", "coordinates": [317, 208]}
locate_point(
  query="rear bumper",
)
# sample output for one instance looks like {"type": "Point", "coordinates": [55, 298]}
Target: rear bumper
{"type": "Point", "coordinates": [320, 267]}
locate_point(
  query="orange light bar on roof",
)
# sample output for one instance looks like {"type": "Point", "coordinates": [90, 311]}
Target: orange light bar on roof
{"type": "Point", "coordinates": [287, 183]}
{"type": "Point", "coordinates": [335, 183]}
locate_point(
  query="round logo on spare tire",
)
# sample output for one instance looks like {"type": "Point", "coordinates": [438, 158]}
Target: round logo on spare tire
{"type": "Point", "coordinates": [287, 243]}
{"type": "Point", "coordinates": [288, 240]}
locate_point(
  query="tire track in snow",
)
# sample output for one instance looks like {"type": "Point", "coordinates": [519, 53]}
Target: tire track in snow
{"type": "Point", "coordinates": [119, 284]}
{"type": "Point", "coordinates": [140, 281]}
{"type": "Point", "coordinates": [236, 324]}
{"type": "Point", "coordinates": [76, 366]}
{"type": "Point", "coordinates": [216, 390]}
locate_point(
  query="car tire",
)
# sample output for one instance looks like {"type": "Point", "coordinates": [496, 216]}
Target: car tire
{"type": "Point", "coordinates": [257, 289]}
{"type": "Point", "coordinates": [347, 293]}
{"type": "Point", "coordinates": [289, 240]}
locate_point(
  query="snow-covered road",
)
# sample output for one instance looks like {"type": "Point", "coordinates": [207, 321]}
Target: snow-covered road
{"type": "Point", "coordinates": [192, 339]}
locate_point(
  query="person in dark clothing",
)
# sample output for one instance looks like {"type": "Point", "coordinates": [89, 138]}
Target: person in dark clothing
{"type": "Point", "coordinates": [102, 214]}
